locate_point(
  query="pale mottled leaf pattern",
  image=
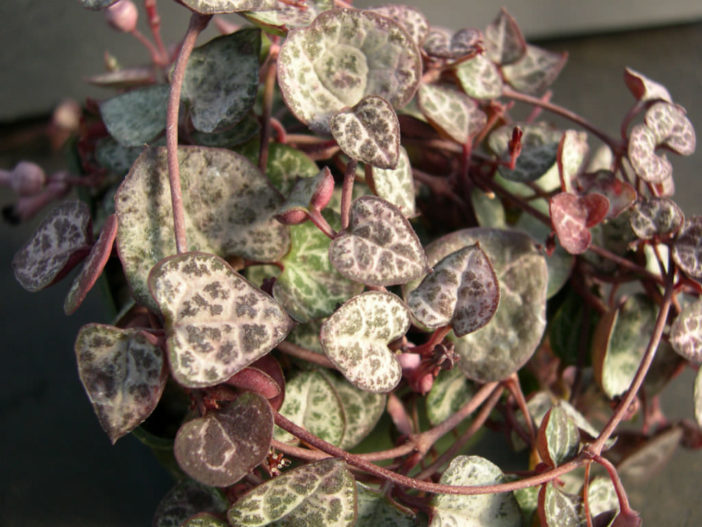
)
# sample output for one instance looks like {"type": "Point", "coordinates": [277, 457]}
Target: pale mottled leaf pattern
{"type": "Point", "coordinates": [451, 111]}
{"type": "Point", "coordinates": [462, 291]}
{"type": "Point", "coordinates": [123, 374]}
{"type": "Point", "coordinates": [697, 394]}
{"type": "Point", "coordinates": [205, 519]}
{"type": "Point", "coordinates": [601, 496]}
{"type": "Point", "coordinates": [480, 78]}
{"type": "Point", "coordinates": [396, 185]}
{"type": "Point", "coordinates": [643, 88]}
{"type": "Point", "coordinates": [221, 80]}
{"type": "Point", "coordinates": [228, 205]}
{"type": "Point", "coordinates": [558, 438]}
{"type": "Point", "coordinates": [446, 44]}
{"type": "Point", "coordinates": [572, 216]}
{"type": "Point", "coordinates": [210, 7]}
{"type": "Point", "coordinates": [410, 19]}
{"type": "Point", "coordinates": [368, 132]}
{"type": "Point", "coordinates": [504, 42]}
{"type": "Point", "coordinates": [138, 116]}
{"type": "Point", "coordinates": [485, 510]}
{"type": "Point", "coordinates": [316, 494]}
{"type": "Point", "coordinates": [305, 190]}
{"type": "Point", "coordinates": [312, 403]}
{"type": "Point", "coordinates": [188, 498]}
{"type": "Point", "coordinates": [285, 164]}
{"type": "Point", "coordinates": [528, 500]}
{"type": "Point", "coordinates": [572, 151]}
{"type": "Point", "coordinates": [240, 133]}
{"type": "Point", "coordinates": [379, 247]}
{"type": "Point", "coordinates": [223, 446]}
{"type": "Point", "coordinates": [217, 322]}
{"type": "Point", "coordinates": [535, 71]}
{"type": "Point", "coordinates": [655, 218]}
{"type": "Point", "coordinates": [621, 195]}
{"type": "Point", "coordinates": [375, 510]}
{"type": "Point", "coordinates": [671, 127]}
{"type": "Point", "coordinates": [538, 155]}
{"type": "Point", "coordinates": [356, 338]}
{"type": "Point", "coordinates": [687, 249]}
{"type": "Point", "coordinates": [285, 16]}
{"type": "Point", "coordinates": [686, 332]}
{"type": "Point", "coordinates": [93, 266]}
{"type": "Point", "coordinates": [450, 391]}
{"type": "Point", "coordinates": [59, 243]}
{"type": "Point", "coordinates": [343, 56]}
{"type": "Point", "coordinates": [97, 4]}
{"type": "Point", "coordinates": [557, 509]}
{"type": "Point", "coordinates": [115, 157]}
{"type": "Point", "coordinates": [646, 163]}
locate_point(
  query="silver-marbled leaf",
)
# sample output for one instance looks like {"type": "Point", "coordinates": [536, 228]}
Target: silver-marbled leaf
{"type": "Point", "coordinates": [649, 458]}
{"type": "Point", "coordinates": [655, 218]}
{"type": "Point", "coordinates": [368, 132]}
{"type": "Point", "coordinates": [558, 509]}
{"type": "Point", "coordinates": [535, 71]}
{"type": "Point", "coordinates": [376, 510]}
{"type": "Point", "coordinates": [240, 133]}
{"type": "Point", "coordinates": [307, 191]}
{"type": "Point", "coordinates": [643, 88]}
{"type": "Point", "coordinates": [504, 41]}
{"type": "Point", "coordinates": [315, 494]}
{"type": "Point", "coordinates": [539, 150]}
{"type": "Point", "coordinates": [205, 519]}
{"type": "Point", "coordinates": [340, 58]}
{"type": "Point", "coordinates": [449, 392]}
{"type": "Point", "coordinates": [447, 44]}
{"type": "Point", "coordinates": [480, 78]}
{"type": "Point", "coordinates": [115, 157]}
{"type": "Point", "coordinates": [671, 127]}
{"type": "Point", "coordinates": [216, 322]}
{"type": "Point", "coordinates": [462, 291]}
{"type": "Point", "coordinates": [228, 204]}
{"type": "Point", "coordinates": [224, 445]}
{"type": "Point", "coordinates": [451, 111]}
{"type": "Point", "coordinates": [687, 248]}
{"type": "Point", "coordinates": [380, 247]}
{"type": "Point", "coordinates": [648, 165]}
{"type": "Point", "coordinates": [396, 185]}
{"type": "Point", "coordinates": [558, 438]}
{"type": "Point", "coordinates": [602, 496]}
{"type": "Point", "coordinates": [686, 332]}
{"type": "Point", "coordinates": [60, 242]}
{"type": "Point", "coordinates": [211, 7]}
{"type": "Point", "coordinates": [572, 153]}
{"type": "Point", "coordinates": [136, 117]}
{"type": "Point", "coordinates": [186, 499]}
{"type": "Point", "coordinates": [123, 373]}
{"type": "Point", "coordinates": [411, 19]}
{"type": "Point", "coordinates": [287, 15]}
{"type": "Point", "coordinates": [356, 338]}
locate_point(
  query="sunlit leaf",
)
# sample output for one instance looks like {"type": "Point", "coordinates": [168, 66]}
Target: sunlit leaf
{"type": "Point", "coordinates": [380, 247]}
{"type": "Point", "coordinates": [136, 117]}
{"type": "Point", "coordinates": [451, 111]}
{"type": "Point", "coordinates": [480, 78]}
{"type": "Point", "coordinates": [340, 58]}
{"type": "Point", "coordinates": [462, 291]}
{"type": "Point", "coordinates": [123, 374]}
{"type": "Point", "coordinates": [535, 71]}
{"type": "Point", "coordinates": [504, 42]}
{"type": "Point", "coordinates": [601, 496]}
{"type": "Point", "coordinates": [671, 127]}
{"type": "Point", "coordinates": [557, 509]}
{"type": "Point", "coordinates": [209, 7]}
{"type": "Point", "coordinates": [687, 249]}
{"type": "Point", "coordinates": [650, 458]}
{"type": "Point", "coordinates": [539, 152]}
{"type": "Point", "coordinates": [285, 16]}
{"type": "Point", "coordinates": [319, 493]}
{"type": "Point", "coordinates": [558, 437]}
{"type": "Point", "coordinates": [488, 209]}
{"type": "Point", "coordinates": [356, 339]}
{"type": "Point", "coordinates": [572, 216]}
{"type": "Point", "coordinates": [648, 165]}
{"type": "Point", "coordinates": [376, 510]}
{"type": "Point", "coordinates": [217, 323]}
{"type": "Point", "coordinates": [409, 18]}
{"type": "Point", "coordinates": [186, 499]}
{"type": "Point", "coordinates": [446, 44]}
{"type": "Point", "coordinates": [655, 218]}
{"type": "Point", "coordinates": [60, 242]}
{"type": "Point", "coordinates": [396, 185]}
{"type": "Point", "coordinates": [482, 510]}
{"type": "Point", "coordinates": [643, 88]}
{"type": "Point", "coordinates": [228, 206]}
{"type": "Point", "coordinates": [226, 444]}
{"type": "Point", "coordinates": [221, 80]}
{"type": "Point", "coordinates": [572, 151]}
{"type": "Point", "coordinates": [621, 195]}
{"type": "Point", "coordinates": [449, 392]}
{"type": "Point", "coordinates": [686, 332]}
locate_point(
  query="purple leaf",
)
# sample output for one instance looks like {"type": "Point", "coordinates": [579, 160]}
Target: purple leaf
{"type": "Point", "coordinates": [572, 216]}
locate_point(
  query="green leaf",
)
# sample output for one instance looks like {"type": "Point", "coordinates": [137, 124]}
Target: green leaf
{"type": "Point", "coordinates": [137, 116]}
{"type": "Point", "coordinates": [443, 43]}
{"type": "Point", "coordinates": [462, 291]}
{"type": "Point", "coordinates": [316, 494]}
{"type": "Point", "coordinates": [686, 332]}
{"type": "Point", "coordinates": [488, 210]}
{"type": "Point", "coordinates": [286, 16]}
{"type": "Point", "coordinates": [482, 510]}
{"type": "Point", "coordinates": [217, 323]}
{"type": "Point", "coordinates": [648, 165]}
{"type": "Point", "coordinates": [186, 499]}
{"type": "Point", "coordinates": [307, 191]}
{"type": "Point", "coordinates": [448, 394]}
{"type": "Point", "coordinates": [356, 338]}
{"type": "Point", "coordinates": [671, 127]}
{"type": "Point", "coordinates": [558, 509]}
{"type": "Point", "coordinates": [566, 330]}
{"type": "Point", "coordinates": [451, 111]}
{"type": "Point", "coordinates": [123, 374]}
{"type": "Point", "coordinates": [535, 71]}
{"type": "Point", "coordinates": [205, 519]}
{"type": "Point", "coordinates": [115, 157]}
{"type": "Point", "coordinates": [340, 58]}
{"type": "Point", "coordinates": [228, 206]}
{"type": "Point", "coordinates": [223, 446]}
{"type": "Point", "coordinates": [312, 403]}
{"type": "Point", "coordinates": [380, 247]}
{"type": "Point", "coordinates": [572, 153]}
{"type": "Point", "coordinates": [59, 243]}
{"type": "Point", "coordinates": [409, 18]}
{"type": "Point", "coordinates": [285, 164]}
{"type": "Point", "coordinates": [210, 7]}
{"type": "Point", "coordinates": [480, 78]}
{"type": "Point", "coordinates": [528, 500]}
{"type": "Point", "coordinates": [655, 218]}
{"type": "Point", "coordinates": [504, 42]}
{"type": "Point", "coordinates": [241, 132]}
{"type": "Point", "coordinates": [558, 439]}
{"type": "Point", "coordinates": [396, 185]}
{"type": "Point", "coordinates": [687, 249]}
{"type": "Point", "coordinates": [602, 497]}
{"type": "Point", "coordinates": [375, 510]}
{"type": "Point", "coordinates": [538, 155]}
{"type": "Point", "coordinates": [503, 345]}
{"type": "Point", "coordinates": [221, 80]}
{"type": "Point", "coordinates": [643, 88]}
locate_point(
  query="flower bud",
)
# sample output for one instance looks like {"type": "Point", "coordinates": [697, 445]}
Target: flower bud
{"type": "Point", "coordinates": [292, 217]}
{"type": "Point", "coordinates": [122, 16]}
{"type": "Point", "coordinates": [27, 178]}
{"type": "Point", "coordinates": [323, 193]}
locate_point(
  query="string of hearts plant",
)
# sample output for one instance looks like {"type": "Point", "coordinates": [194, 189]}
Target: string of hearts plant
{"type": "Point", "coordinates": [333, 246]}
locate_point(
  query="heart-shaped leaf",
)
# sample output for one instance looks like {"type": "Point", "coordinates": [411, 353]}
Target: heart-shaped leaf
{"type": "Point", "coordinates": [319, 493]}
{"type": "Point", "coordinates": [356, 338]}
{"type": "Point", "coordinates": [396, 185]}
{"type": "Point", "coordinates": [343, 56]}
{"type": "Point", "coordinates": [217, 322]}
{"type": "Point", "coordinates": [558, 509]}
{"type": "Point", "coordinates": [646, 163]}
{"type": "Point", "coordinates": [451, 111]}
{"type": "Point", "coordinates": [205, 519]}
{"type": "Point", "coordinates": [409, 18]}
{"type": "Point", "coordinates": [558, 438]}
{"type": "Point", "coordinates": [136, 117]}
{"type": "Point", "coordinates": [687, 249]}
{"type": "Point", "coordinates": [123, 374]}
{"type": "Point", "coordinates": [241, 132]}
{"type": "Point", "coordinates": [621, 195]}
{"type": "Point", "coordinates": [461, 291]}
{"type": "Point", "coordinates": [655, 218]}
{"type": "Point", "coordinates": [504, 42]}
{"type": "Point", "coordinates": [228, 204]}
{"type": "Point", "coordinates": [285, 164]}
{"type": "Point", "coordinates": [480, 78]}
{"type": "Point", "coordinates": [97, 4]}
{"type": "Point", "coordinates": [602, 496]}
{"type": "Point", "coordinates": [115, 157]}
{"type": "Point", "coordinates": [671, 127]}
{"type": "Point", "coordinates": [379, 247]}
{"type": "Point", "coordinates": [93, 266]}
{"type": "Point", "coordinates": [482, 510]}
{"type": "Point", "coordinates": [286, 15]}
{"type": "Point", "coordinates": [535, 71]}
{"type": "Point", "coordinates": [572, 216]}
{"type": "Point", "coordinates": [221, 80]}
{"type": "Point", "coordinates": [686, 332]}
{"type": "Point", "coordinates": [643, 88]}
{"type": "Point", "coordinates": [449, 392]}
{"type": "Point", "coordinates": [503, 345]}
{"type": "Point", "coordinates": [376, 510]}
{"type": "Point", "coordinates": [697, 395]}
{"type": "Point", "coordinates": [446, 44]}
{"type": "Point", "coordinates": [368, 132]}
{"type": "Point", "coordinates": [572, 151]}
{"type": "Point", "coordinates": [223, 446]}
{"type": "Point", "coordinates": [186, 499]}
{"type": "Point", "coordinates": [211, 7]}
{"type": "Point", "coordinates": [60, 242]}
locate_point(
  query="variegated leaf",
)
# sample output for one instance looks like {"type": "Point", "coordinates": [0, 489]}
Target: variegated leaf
{"type": "Point", "coordinates": [340, 58]}
{"type": "Point", "coordinates": [687, 249]}
{"type": "Point", "coordinates": [228, 206]}
{"type": "Point", "coordinates": [217, 322]}
{"type": "Point", "coordinates": [686, 332]}
{"type": "Point", "coordinates": [285, 15]}
{"type": "Point", "coordinates": [285, 164]}
{"type": "Point", "coordinates": [115, 157]}
{"type": "Point", "coordinates": [376, 510]}
{"type": "Point", "coordinates": [558, 438]}
{"type": "Point", "coordinates": [379, 247]}
{"type": "Point", "coordinates": [572, 152]}
{"type": "Point", "coordinates": [450, 391]}
{"type": "Point", "coordinates": [241, 132]}
{"type": "Point", "coordinates": [356, 338]}
{"type": "Point", "coordinates": [643, 88]}
{"type": "Point", "coordinates": [572, 217]}
{"type": "Point", "coordinates": [123, 373]}
{"type": "Point", "coordinates": [223, 446]}
{"type": "Point", "coordinates": [451, 111]}
{"type": "Point", "coordinates": [671, 128]}
{"type": "Point", "coordinates": [396, 185]}
{"type": "Point", "coordinates": [602, 496]}
{"type": "Point", "coordinates": [655, 218]}
{"type": "Point", "coordinates": [539, 150]}
{"type": "Point", "coordinates": [136, 117]}
{"type": "Point", "coordinates": [558, 509]}
{"type": "Point", "coordinates": [535, 71]}
{"type": "Point", "coordinates": [480, 78]}
{"type": "Point", "coordinates": [211, 7]}
{"type": "Point", "coordinates": [410, 19]}
{"type": "Point", "coordinates": [319, 493]}
{"type": "Point", "coordinates": [504, 42]}
{"type": "Point", "coordinates": [446, 44]}
{"type": "Point", "coordinates": [307, 192]}
{"type": "Point", "coordinates": [621, 195]}
{"type": "Point", "coordinates": [648, 165]}
{"type": "Point", "coordinates": [186, 499]}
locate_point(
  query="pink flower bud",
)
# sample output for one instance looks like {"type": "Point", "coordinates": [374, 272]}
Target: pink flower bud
{"type": "Point", "coordinates": [27, 178]}
{"type": "Point", "coordinates": [292, 217]}
{"type": "Point", "coordinates": [122, 16]}
{"type": "Point", "coordinates": [324, 191]}
{"type": "Point", "coordinates": [425, 383]}
{"type": "Point", "coordinates": [409, 361]}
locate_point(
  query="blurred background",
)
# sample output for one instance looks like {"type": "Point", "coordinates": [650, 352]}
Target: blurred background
{"type": "Point", "coordinates": [58, 468]}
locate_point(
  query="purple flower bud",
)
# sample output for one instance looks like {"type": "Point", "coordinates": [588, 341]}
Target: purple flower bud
{"type": "Point", "coordinates": [122, 16]}
{"type": "Point", "coordinates": [27, 178]}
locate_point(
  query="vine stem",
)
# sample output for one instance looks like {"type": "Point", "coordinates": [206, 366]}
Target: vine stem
{"type": "Point", "coordinates": [515, 388]}
{"type": "Point", "coordinates": [198, 22]}
{"type": "Point", "coordinates": [301, 353]}
{"type": "Point", "coordinates": [156, 57]}
{"type": "Point", "coordinates": [155, 26]}
{"type": "Point", "coordinates": [268, 92]}
{"type": "Point", "coordinates": [347, 193]}
{"type": "Point", "coordinates": [624, 507]}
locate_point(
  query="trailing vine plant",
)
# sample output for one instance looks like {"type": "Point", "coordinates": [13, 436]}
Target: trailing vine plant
{"type": "Point", "coordinates": [336, 256]}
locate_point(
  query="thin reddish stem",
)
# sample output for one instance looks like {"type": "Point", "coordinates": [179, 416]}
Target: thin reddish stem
{"type": "Point", "coordinates": [268, 92]}
{"type": "Point", "coordinates": [624, 507]}
{"type": "Point", "coordinates": [155, 26]}
{"type": "Point", "coordinates": [515, 388]}
{"type": "Point", "coordinates": [155, 55]}
{"type": "Point", "coordinates": [347, 193]}
{"type": "Point", "coordinates": [301, 353]}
